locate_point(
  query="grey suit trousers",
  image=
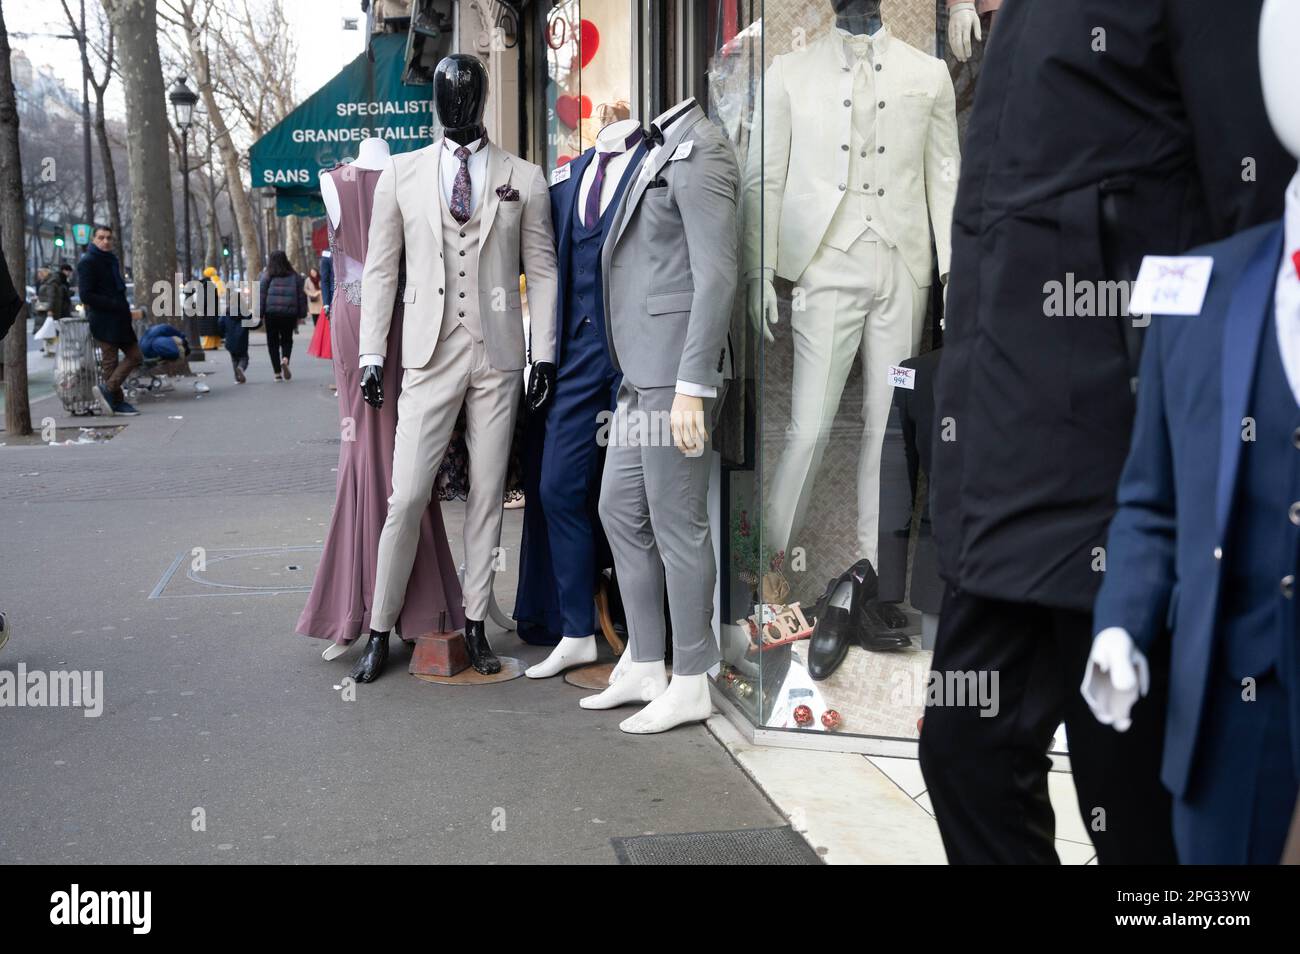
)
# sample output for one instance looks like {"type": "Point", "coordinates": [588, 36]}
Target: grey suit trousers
{"type": "Point", "coordinates": [653, 506]}
{"type": "Point", "coordinates": [458, 373]}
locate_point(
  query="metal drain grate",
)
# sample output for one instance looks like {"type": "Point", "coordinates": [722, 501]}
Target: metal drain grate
{"type": "Point", "coordinates": [749, 846]}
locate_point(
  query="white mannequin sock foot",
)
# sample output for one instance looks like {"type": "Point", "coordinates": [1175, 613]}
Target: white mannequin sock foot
{"type": "Point", "coordinates": [569, 652]}
{"type": "Point", "coordinates": [639, 683]}
{"type": "Point", "coordinates": [685, 700]}
{"type": "Point", "coordinates": [333, 651]}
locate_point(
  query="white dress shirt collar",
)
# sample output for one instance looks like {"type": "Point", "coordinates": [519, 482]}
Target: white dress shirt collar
{"type": "Point", "coordinates": [451, 145]}
{"type": "Point", "coordinates": [664, 121]}
{"type": "Point", "coordinates": [856, 45]}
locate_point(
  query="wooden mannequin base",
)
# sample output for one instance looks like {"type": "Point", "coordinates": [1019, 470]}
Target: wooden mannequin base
{"type": "Point", "coordinates": [594, 676]}
{"type": "Point", "coordinates": [511, 668]}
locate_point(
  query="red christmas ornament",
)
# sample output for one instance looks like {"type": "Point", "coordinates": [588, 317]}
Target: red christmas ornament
{"type": "Point", "coordinates": [831, 720]}
{"type": "Point", "coordinates": [803, 716]}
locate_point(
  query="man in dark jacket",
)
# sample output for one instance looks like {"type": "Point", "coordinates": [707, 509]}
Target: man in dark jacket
{"type": "Point", "coordinates": [103, 293]}
{"type": "Point", "coordinates": [1102, 130]}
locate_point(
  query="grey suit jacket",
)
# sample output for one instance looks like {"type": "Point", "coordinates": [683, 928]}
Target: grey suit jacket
{"type": "Point", "coordinates": [515, 237]}
{"type": "Point", "coordinates": [670, 262]}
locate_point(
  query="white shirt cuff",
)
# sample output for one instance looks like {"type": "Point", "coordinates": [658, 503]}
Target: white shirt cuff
{"type": "Point", "coordinates": [696, 390]}
{"type": "Point", "coordinates": [371, 359]}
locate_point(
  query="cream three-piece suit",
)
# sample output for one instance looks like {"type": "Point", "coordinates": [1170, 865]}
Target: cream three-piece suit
{"type": "Point", "coordinates": [856, 174]}
{"type": "Point", "coordinates": [462, 342]}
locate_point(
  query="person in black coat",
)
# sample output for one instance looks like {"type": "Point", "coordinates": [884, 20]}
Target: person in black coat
{"type": "Point", "coordinates": [284, 304]}
{"type": "Point", "coordinates": [103, 293]}
{"type": "Point", "coordinates": [1102, 130]}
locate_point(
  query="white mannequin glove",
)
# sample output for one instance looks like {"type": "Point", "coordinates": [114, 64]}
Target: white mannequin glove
{"type": "Point", "coordinates": [762, 306]}
{"type": "Point", "coordinates": [1116, 677]}
{"type": "Point", "coordinates": [963, 30]}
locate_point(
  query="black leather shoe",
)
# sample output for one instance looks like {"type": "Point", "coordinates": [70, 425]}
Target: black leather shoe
{"type": "Point", "coordinates": [888, 615]}
{"type": "Point", "coordinates": [372, 660]}
{"type": "Point", "coordinates": [481, 656]}
{"type": "Point", "coordinates": [833, 632]}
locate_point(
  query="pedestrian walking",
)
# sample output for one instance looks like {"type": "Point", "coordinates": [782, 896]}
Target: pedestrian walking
{"type": "Point", "coordinates": [284, 303]}
{"type": "Point", "coordinates": [315, 301]}
{"type": "Point", "coordinates": [236, 319]}
{"type": "Point", "coordinates": [103, 293]}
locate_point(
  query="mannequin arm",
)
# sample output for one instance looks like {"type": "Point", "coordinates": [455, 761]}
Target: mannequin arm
{"type": "Point", "coordinates": [942, 168]}
{"type": "Point", "coordinates": [1116, 677]}
{"type": "Point", "coordinates": [761, 305]}
{"type": "Point", "coordinates": [707, 200]}
{"type": "Point", "coordinates": [964, 29]}
{"type": "Point", "coordinates": [1140, 573]}
{"type": "Point", "coordinates": [538, 257]}
{"type": "Point", "coordinates": [379, 277]}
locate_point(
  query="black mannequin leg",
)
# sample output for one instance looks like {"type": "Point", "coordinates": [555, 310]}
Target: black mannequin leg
{"type": "Point", "coordinates": [372, 661]}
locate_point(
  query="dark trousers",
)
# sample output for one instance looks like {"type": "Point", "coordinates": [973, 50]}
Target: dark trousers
{"type": "Point", "coordinates": [279, 339]}
{"type": "Point", "coordinates": [116, 372]}
{"type": "Point", "coordinates": [586, 385]}
{"type": "Point", "coordinates": [987, 777]}
{"type": "Point", "coordinates": [240, 361]}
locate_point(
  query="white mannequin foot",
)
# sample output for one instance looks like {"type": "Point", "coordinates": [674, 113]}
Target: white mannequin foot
{"type": "Point", "coordinates": [685, 700]}
{"type": "Point", "coordinates": [333, 651]}
{"type": "Point", "coordinates": [639, 683]}
{"type": "Point", "coordinates": [569, 652]}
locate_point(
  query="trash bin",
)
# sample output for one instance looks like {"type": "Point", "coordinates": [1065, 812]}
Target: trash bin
{"type": "Point", "coordinates": [76, 367]}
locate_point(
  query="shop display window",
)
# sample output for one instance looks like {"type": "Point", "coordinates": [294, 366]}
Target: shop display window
{"type": "Point", "coordinates": [847, 145]}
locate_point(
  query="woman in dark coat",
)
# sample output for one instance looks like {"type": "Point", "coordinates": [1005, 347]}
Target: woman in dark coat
{"type": "Point", "coordinates": [284, 304]}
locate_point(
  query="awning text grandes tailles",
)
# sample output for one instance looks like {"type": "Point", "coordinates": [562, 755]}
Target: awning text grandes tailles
{"type": "Point", "coordinates": [358, 134]}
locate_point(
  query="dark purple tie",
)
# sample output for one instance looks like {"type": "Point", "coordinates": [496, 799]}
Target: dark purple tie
{"type": "Point", "coordinates": [461, 188]}
{"type": "Point", "coordinates": [591, 213]}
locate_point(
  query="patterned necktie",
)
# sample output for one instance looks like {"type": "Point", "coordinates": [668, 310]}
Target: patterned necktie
{"type": "Point", "coordinates": [591, 212]}
{"type": "Point", "coordinates": [461, 189]}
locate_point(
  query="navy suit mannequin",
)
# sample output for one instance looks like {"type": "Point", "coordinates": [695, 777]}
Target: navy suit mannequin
{"type": "Point", "coordinates": [562, 536]}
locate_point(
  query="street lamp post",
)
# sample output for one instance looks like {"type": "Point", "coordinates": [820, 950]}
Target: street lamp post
{"type": "Point", "coordinates": [183, 99]}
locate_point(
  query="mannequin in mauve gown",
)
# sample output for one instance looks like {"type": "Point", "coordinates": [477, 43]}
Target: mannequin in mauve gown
{"type": "Point", "coordinates": [338, 608]}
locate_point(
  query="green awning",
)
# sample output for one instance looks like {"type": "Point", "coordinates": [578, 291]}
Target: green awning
{"type": "Point", "coordinates": [365, 99]}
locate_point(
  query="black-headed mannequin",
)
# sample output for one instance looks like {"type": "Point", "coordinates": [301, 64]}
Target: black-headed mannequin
{"type": "Point", "coordinates": [857, 16]}
{"type": "Point", "coordinates": [473, 350]}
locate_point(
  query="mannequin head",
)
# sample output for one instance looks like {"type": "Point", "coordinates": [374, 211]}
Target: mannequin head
{"type": "Point", "coordinates": [460, 87]}
{"type": "Point", "coordinates": [1279, 69]}
{"type": "Point", "coordinates": [857, 16]}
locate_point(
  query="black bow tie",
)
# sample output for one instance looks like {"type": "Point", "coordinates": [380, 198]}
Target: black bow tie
{"type": "Point", "coordinates": [655, 137]}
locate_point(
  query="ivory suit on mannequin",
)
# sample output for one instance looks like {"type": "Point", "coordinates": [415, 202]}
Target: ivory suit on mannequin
{"type": "Point", "coordinates": [857, 172]}
{"type": "Point", "coordinates": [669, 269]}
{"type": "Point", "coordinates": [469, 218]}
{"type": "Point", "coordinates": [1206, 544]}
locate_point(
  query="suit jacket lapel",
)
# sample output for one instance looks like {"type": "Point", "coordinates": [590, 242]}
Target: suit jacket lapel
{"type": "Point", "coordinates": [432, 173]}
{"type": "Point", "coordinates": [1252, 302]}
{"type": "Point", "coordinates": [649, 170]}
{"type": "Point", "coordinates": [498, 174]}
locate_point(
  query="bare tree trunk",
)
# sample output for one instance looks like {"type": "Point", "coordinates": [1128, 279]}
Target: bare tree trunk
{"type": "Point", "coordinates": [106, 160]}
{"type": "Point", "coordinates": [13, 239]}
{"type": "Point", "coordinates": [239, 197]}
{"type": "Point", "coordinates": [153, 225]}
{"type": "Point", "coordinates": [293, 243]}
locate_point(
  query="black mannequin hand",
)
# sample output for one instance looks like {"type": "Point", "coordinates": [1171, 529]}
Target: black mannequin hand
{"type": "Point", "coordinates": [372, 385]}
{"type": "Point", "coordinates": [541, 386]}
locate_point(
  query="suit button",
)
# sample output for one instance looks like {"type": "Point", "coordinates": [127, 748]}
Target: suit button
{"type": "Point", "coordinates": [462, 254]}
{"type": "Point", "coordinates": [462, 314]}
{"type": "Point", "coordinates": [845, 147]}
{"type": "Point", "coordinates": [462, 234]}
{"type": "Point", "coordinates": [1295, 438]}
{"type": "Point", "coordinates": [866, 185]}
{"type": "Point", "coordinates": [462, 274]}
{"type": "Point", "coordinates": [880, 192]}
{"type": "Point", "coordinates": [843, 187]}
{"type": "Point", "coordinates": [881, 104]}
{"type": "Point", "coordinates": [877, 67]}
{"type": "Point", "coordinates": [881, 150]}
{"type": "Point", "coordinates": [1294, 513]}
{"type": "Point", "coordinates": [848, 102]}
{"type": "Point", "coordinates": [439, 291]}
{"type": "Point", "coordinates": [1287, 586]}
{"type": "Point", "coordinates": [868, 218]}
{"type": "Point", "coordinates": [1218, 553]}
{"type": "Point", "coordinates": [863, 154]}
{"type": "Point", "coordinates": [462, 294]}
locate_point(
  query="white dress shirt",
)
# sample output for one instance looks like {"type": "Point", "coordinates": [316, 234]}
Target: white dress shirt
{"type": "Point", "coordinates": [1286, 299]}
{"type": "Point", "coordinates": [448, 166]}
{"type": "Point", "coordinates": [663, 122]}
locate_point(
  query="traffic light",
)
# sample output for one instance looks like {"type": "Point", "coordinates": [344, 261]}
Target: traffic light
{"type": "Point", "coordinates": [58, 239]}
{"type": "Point", "coordinates": [225, 246]}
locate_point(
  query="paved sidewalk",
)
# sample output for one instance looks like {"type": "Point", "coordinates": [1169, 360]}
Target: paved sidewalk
{"type": "Point", "coordinates": [216, 711]}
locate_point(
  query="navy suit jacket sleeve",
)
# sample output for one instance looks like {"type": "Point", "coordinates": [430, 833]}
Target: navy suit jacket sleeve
{"type": "Point", "coordinates": [1140, 549]}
